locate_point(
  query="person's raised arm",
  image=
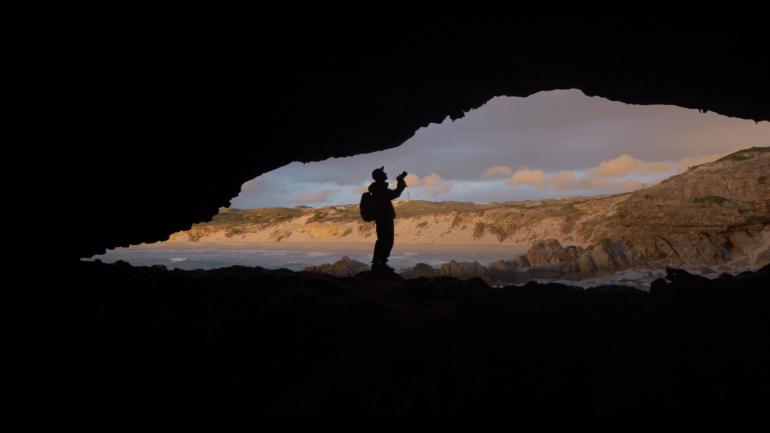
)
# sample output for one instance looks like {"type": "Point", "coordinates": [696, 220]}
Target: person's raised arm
{"type": "Point", "coordinates": [400, 185]}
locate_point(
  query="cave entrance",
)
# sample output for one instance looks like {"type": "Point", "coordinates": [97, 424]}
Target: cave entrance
{"type": "Point", "coordinates": [557, 185]}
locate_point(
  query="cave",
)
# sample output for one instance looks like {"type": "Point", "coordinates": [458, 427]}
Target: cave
{"type": "Point", "coordinates": [125, 130]}
{"type": "Point", "coordinates": [484, 190]}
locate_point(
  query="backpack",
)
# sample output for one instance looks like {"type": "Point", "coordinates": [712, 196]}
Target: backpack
{"type": "Point", "coordinates": [368, 207]}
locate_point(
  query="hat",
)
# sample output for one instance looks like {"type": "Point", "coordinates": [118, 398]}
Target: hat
{"type": "Point", "coordinates": [379, 173]}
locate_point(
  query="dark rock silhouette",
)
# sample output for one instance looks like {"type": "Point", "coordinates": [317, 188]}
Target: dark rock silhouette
{"type": "Point", "coordinates": [465, 270]}
{"type": "Point", "coordinates": [248, 341]}
{"type": "Point", "coordinates": [544, 253]}
{"type": "Point", "coordinates": [171, 94]}
{"type": "Point", "coordinates": [710, 215]}
{"type": "Point", "coordinates": [344, 267]}
{"type": "Point", "coordinates": [607, 256]}
{"type": "Point", "coordinates": [113, 119]}
{"type": "Point", "coordinates": [763, 258]}
{"type": "Point", "coordinates": [419, 270]}
{"type": "Point", "coordinates": [544, 260]}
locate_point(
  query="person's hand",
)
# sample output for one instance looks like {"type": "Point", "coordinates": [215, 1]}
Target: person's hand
{"type": "Point", "coordinates": [401, 176]}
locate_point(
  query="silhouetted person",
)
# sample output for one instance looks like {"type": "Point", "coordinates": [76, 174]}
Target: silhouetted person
{"type": "Point", "coordinates": [382, 195]}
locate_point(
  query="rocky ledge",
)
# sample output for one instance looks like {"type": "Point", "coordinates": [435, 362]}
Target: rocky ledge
{"type": "Point", "coordinates": [546, 259]}
{"type": "Point", "coordinates": [121, 340]}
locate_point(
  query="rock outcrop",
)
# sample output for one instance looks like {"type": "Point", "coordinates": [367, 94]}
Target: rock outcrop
{"type": "Point", "coordinates": [420, 270]}
{"type": "Point", "coordinates": [254, 342]}
{"type": "Point", "coordinates": [462, 270]}
{"type": "Point", "coordinates": [709, 215]}
{"type": "Point", "coordinates": [544, 260]}
{"type": "Point", "coordinates": [344, 267]}
{"type": "Point", "coordinates": [544, 253]}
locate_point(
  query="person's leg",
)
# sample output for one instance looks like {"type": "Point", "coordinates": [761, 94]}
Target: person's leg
{"type": "Point", "coordinates": [379, 244]}
{"type": "Point", "coordinates": [387, 239]}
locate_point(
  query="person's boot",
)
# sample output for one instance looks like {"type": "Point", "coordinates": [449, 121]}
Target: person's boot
{"type": "Point", "coordinates": [382, 267]}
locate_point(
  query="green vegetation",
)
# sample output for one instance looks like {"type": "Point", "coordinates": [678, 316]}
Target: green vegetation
{"type": "Point", "coordinates": [498, 231]}
{"type": "Point", "coordinates": [317, 216]}
{"type": "Point", "coordinates": [478, 230]}
{"type": "Point", "coordinates": [235, 222]}
{"type": "Point", "coordinates": [745, 154]}
{"type": "Point", "coordinates": [570, 213]}
{"type": "Point", "coordinates": [234, 231]}
{"type": "Point", "coordinates": [235, 217]}
{"type": "Point", "coordinates": [605, 242]}
{"type": "Point", "coordinates": [195, 236]}
{"type": "Point", "coordinates": [715, 199]}
{"type": "Point", "coordinates": [416, 208]}
{"type": "Point", "coordinates": [758, 220]}
{"type": "Point", "coordinates": [457, 220]}
{"type": "Point", "coordinates": [500, 218]}
{"type": "Point", "coordinates": [365, 228]}
{"type": "Point", "coordinates": [742, 157]}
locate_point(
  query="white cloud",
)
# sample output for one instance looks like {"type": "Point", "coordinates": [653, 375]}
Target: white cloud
{"type": "Point", "coordinates": [571, 181]}
{"type": "Point", "coordinates": [527, 176]}
{"type": "Point", "coordinates": [563, 177]}
{"type": "Point", "coordinates": [627, 164]}
{"type": "Point", "coordinates": [312, 197]}
{"type": "Point", "coordinates": [433, 185]}
{"type": "Point", "coordinates": [413, 180]}
{"type": "Point", "coordinates": [497, 171]}
{"type": "Point", "coordinates": [567, 140]}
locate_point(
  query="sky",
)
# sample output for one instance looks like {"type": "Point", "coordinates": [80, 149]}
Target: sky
{"type": "Point", "coordinates": [551, 144]}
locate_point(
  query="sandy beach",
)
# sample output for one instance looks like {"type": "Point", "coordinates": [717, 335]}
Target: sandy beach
{"type": "Point", "coordinates": [480, 250]}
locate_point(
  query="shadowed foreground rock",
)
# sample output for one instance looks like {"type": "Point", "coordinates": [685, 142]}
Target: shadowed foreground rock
{"type": "Point", "coordinates": [141, 102]}
{"type": "Point", "coordinates": [277, 343]}
{"type": "Point", "coordinates": [544, 260]}
{"type": "Point", "coordinates": [344, 267]}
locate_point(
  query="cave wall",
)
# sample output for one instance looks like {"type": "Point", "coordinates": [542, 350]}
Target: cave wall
{"type": "Point", "coordinates": [126, 130]}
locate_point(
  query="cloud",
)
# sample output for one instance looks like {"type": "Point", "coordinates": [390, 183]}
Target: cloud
{"type": "Point", "coordinates": [433, 179]}
{"type": "Point", "coordinates": [497, 171]}
{"type": "Point", "coordinates": [527, 176]}
{"type": "Point", "coordinates": [558, 136]}
{"type": "Point", "coordinates": [626, 164]}
{"type": "Point", "coordinates": [433, 185]}
{"type": "Point", "coordinates": [570, 181]}
{"type": "Point", "coordinates": [413, 180]}
{"type": "Point", "coordinates": [312, 197]}
{"type": "Point", "coordinates": [563, 177]}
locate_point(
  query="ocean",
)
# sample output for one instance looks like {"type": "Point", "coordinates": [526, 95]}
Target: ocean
{"type": "Point", "coordinates": [297, 257]}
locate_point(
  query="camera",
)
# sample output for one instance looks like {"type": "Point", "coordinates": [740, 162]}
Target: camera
{"type": "Point", "coordinates": [402, 175]}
